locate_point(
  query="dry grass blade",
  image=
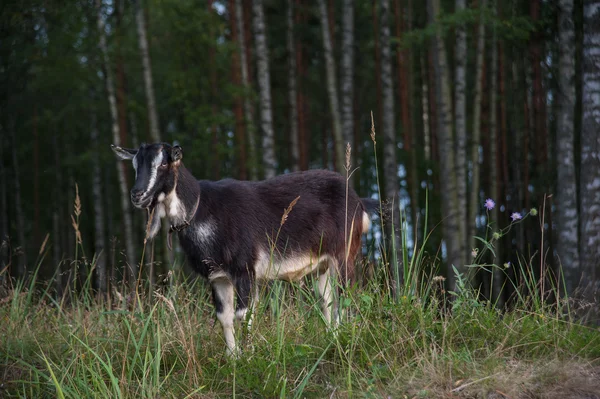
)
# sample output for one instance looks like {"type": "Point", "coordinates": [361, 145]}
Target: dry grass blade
{"type": "Point", "coordinates": [288, 210]}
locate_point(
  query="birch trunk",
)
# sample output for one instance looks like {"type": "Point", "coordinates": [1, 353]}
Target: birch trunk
{"type": "Point", "coordinates": [292, 89]}
{"type": "Point", "coordinates": [140, 23]}
{"type": "Point", "coordinates": [330, 70]}
{"type": "Point", "coordinates": [347, 76]}
{"type": "Point", "coordinates": [99, 241]}
{"type": "Point", "coordinates": [445, 148]}
{"type": "Point", "coordinates": [121, 173]}
{"type": "Point", "coordinates": [567, 217]}
{"type": "Point", "coordinates": [590, 142]}
{"type": "Point", "coordinates": [474, 200]}
{"type": "Point", "coordinates": [460, 121]}
{"type": "Point", "coordinates": [264, 86]}
{"type": "Point", "coordinates": [390, 163]}
{"type": "Point", "coordinates": [425, 115]}
{"type": "Point", "coordinates": [239, 17]}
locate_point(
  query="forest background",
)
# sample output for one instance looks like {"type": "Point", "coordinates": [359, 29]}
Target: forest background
{"type": "Point", "coordinates": [469, 100]}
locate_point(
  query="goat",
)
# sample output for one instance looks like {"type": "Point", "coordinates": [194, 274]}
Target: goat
{"type": "Point", "coordinates": [235, 233]}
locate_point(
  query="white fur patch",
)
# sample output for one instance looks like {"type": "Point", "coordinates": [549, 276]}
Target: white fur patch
{"type": "Point", "coordinates": [161, 197]}
{"type": "Point", "coordinates": [174, 208]}
{"type": "Point", "coordinates": [289, 269]}
{"type": "Point", "coordinates": [156, 162]}
{"type": "Point", "coordinates": [366, 222]}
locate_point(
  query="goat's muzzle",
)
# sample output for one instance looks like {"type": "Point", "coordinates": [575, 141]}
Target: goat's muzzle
{"type": "Point", "coordinates": [138, 200]}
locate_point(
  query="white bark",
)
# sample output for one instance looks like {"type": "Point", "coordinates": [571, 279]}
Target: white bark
{"type": "Point", "coordinates": [264, 86]}
{"type": "Point", "coordinates": [390, 145]}
{"type": "Point", "coordinates": [147, 68]}
{"type": "Point", "coordinates": [590, 142]}
{"type": "Point", "coordinates": [567, 218]}
{"type": "Point", "coordinates": [292, 88]}
{"type": "Point", "coordinates": [347, 74]}
{"type": "Point", "coordinates": [460, 120]}
{"type": "Point", "coordinates": [425, 105]}
{"type": "Point", "coordinates": [445, 148]}
{"type": "Point", "coordinates": [474, 200]}
{"type": "Point", "coordinates": [330, 70]}
{"type": "Point", "coordinates": [110, 88]}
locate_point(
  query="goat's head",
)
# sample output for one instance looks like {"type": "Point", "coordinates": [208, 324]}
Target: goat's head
{"type": "Point", "coordinates": [155, 171]}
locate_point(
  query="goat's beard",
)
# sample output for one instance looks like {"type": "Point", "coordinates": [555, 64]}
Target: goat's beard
{"type": "Point", "coordinates": [156, 211]}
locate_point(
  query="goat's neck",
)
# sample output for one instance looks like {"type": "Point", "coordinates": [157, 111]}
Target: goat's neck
{"type": "Point", "coordinates": [181, 203]}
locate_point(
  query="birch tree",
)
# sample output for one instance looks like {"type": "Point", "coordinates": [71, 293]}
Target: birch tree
{"type": "Point", "coordinates": [140, 23]}
{"type": "Point", "coordinates": [590, 141]}
{"type": "Point", "coordinates": [264, 88]}
{"type": "Point", "coordinates": [330, 70]}
{"type": "Point", "coordinates": [121, 173]}
{"type": "Point", "coordinates": [566, 190]}
{"type": "Point", "coordinates": [474, 200]}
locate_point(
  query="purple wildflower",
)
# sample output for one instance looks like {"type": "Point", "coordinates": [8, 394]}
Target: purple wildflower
{"type": "Point", "coordinates": [489, 204]}
{"type": "Point", "coordinates": [516, 216]}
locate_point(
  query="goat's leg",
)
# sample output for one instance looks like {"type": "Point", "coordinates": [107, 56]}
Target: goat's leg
{"type": "Point", "coordinates": [326, 292]}
{"type": "Point", "coordinates": [223, 298]}
{"type": "Point", "coordinates": [246, 291]}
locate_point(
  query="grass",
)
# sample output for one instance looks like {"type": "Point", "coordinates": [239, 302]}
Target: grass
{"type": "Point", "coordinates": [170, 347]}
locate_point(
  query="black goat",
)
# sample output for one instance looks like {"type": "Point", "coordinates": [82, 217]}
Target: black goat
{"type": "Point", "coordinates": [235, 232]}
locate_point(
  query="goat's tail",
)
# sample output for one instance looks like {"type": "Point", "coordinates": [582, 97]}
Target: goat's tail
{"type": "Point", "coordinates": [374, 206]}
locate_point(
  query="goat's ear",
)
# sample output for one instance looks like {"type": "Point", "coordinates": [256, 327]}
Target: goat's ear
{"type": "Point", "coordinates": [123, 153]}
{"type": "Point", "coordinates": [176, 153]}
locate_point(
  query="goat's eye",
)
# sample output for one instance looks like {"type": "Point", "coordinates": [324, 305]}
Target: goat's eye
{"type": "Point", "coordinates": [164, 164]}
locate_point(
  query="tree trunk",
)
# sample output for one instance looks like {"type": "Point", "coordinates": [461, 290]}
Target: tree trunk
{"type": "Point", "coordinates": [140, 23]}
{"type": "Point", "coordinates": [121, 172]}
{"type": "Point", "coordinates": [303, 131]}
{"type": "Point", "coordinates": [376, 38]}
{"type": "Point", "coordinates": [99, 241]}
{"type": "Point", "coordinates": [460, 120]}
{"type": "Point", "coordinates": [57, 216]}
{"type": "Point", "coordinates": [264, 85]}
{"type": "Point", "coordinates": [292, 89]}
{"type": "Point", "coordinates": [474, 200]}
{"type": "Point", "coordinates": [238, 107]}
{"type": "Point", "coordinates": [390, 163]}
{"type": "Point", "coordinates": [347, 77]}
{"type": "Point", "coordinates": [212, 66]}
{"type": "Point", "coordinates": [36, 179]}
{"type": "Point", "coordinates": [4, 244]}
{"type": "Point", "coordinates": [590, 143]}
{"type": "Point", "coordinates": [426, 115]}
{"type": "Point", "coordinates": [248, 114]}
{"type": "Point", "coordinates": [330, 68]}
{"type": "Point", "coordinates": [22, 259]}
{"type": "Point", "coordinates": [567, 217]}
{"type": "Point", "coordinates": [121, 91]}
{"type": "Point", "coordinates": [446, 155]}
{"type": "Point", "coordinates": [493, 159]}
